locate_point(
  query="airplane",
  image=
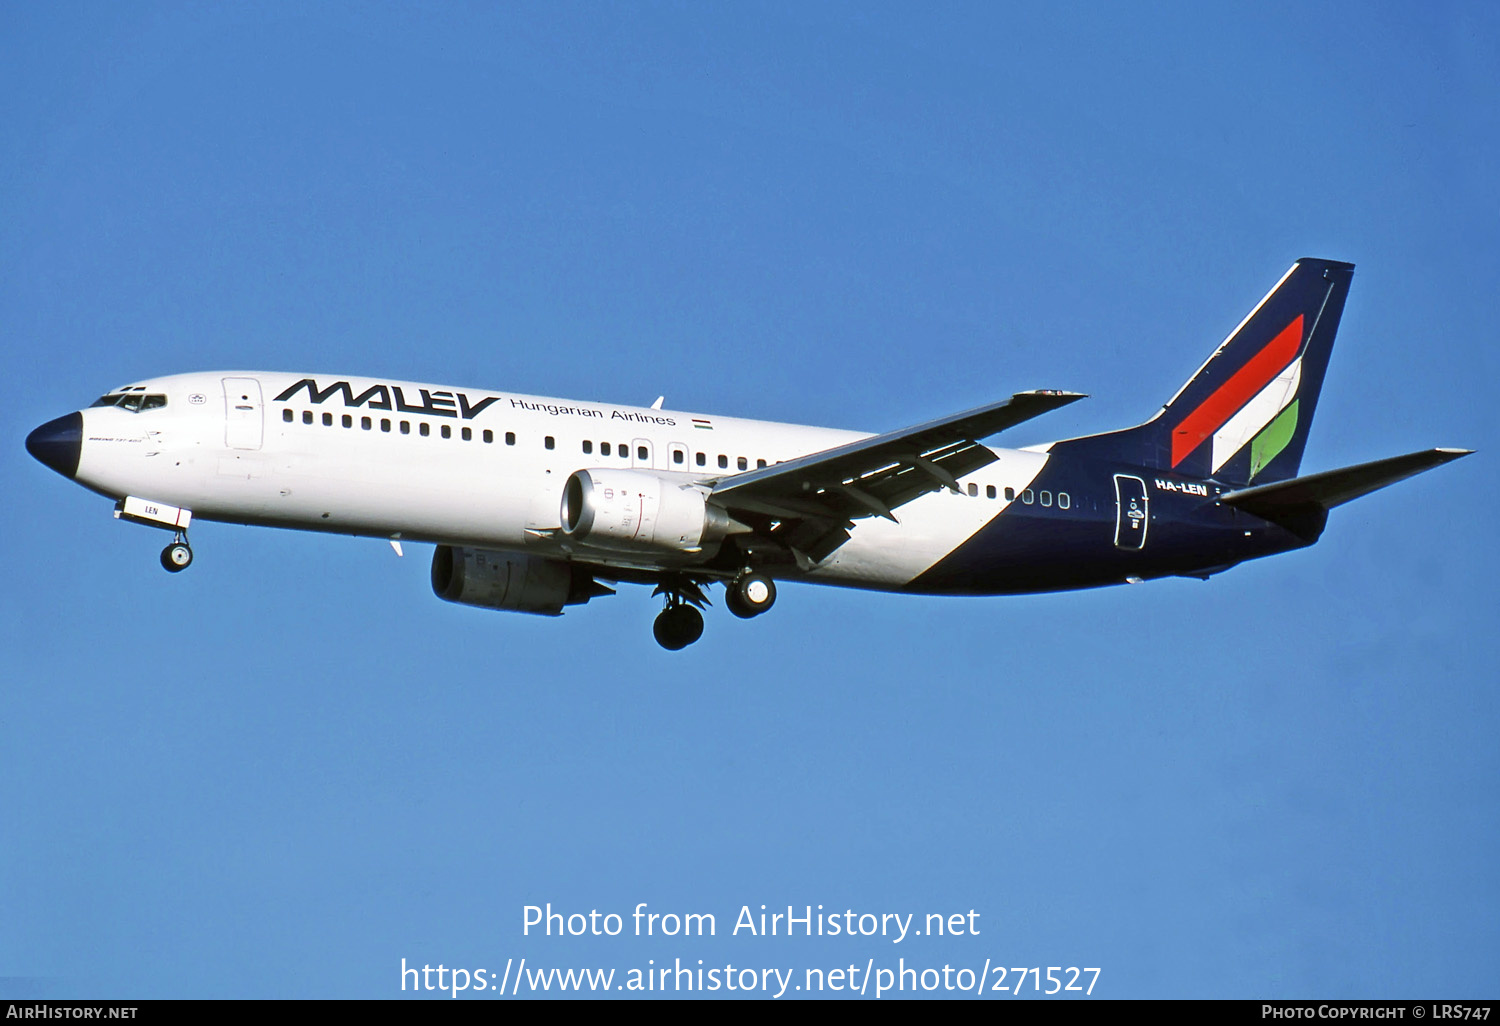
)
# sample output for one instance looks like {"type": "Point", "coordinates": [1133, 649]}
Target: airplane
{"type": "Point", "coordinates": [536, 504]}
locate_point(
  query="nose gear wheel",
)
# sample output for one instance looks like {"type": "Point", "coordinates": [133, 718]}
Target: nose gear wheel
{"type": "Point", "coordinates": [178, 556]}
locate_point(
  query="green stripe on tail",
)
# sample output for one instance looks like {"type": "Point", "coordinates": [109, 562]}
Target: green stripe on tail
{"type": "Point", "coordinates": [1267, 445]}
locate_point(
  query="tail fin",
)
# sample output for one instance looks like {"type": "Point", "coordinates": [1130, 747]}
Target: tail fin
{"type": "Point", "coordinates": [1244, 416]}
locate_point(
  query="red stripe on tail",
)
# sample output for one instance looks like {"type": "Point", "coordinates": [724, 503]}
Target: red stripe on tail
{"type": "Point", "coordinates": [1256, 374]}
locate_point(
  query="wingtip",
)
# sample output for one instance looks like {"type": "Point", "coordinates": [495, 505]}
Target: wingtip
{"type": "Point", "coordinates": [1060, 393]}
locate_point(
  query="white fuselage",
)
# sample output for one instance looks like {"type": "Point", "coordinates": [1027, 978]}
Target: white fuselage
{"type": "Point", "coordinates": [473, 467]}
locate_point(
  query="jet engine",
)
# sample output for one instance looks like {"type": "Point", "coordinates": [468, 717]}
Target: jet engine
{"type": "Point", "coordinates": [638, 510]}
{"type": "Point", "coordinates": [510, 580]}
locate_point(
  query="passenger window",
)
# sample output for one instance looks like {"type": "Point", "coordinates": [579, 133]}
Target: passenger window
{"type": "Point", "coordinates": [424, 429]}
{"type": "Point", "coordinates": [406, 427]}
{"type": "Point", "coordinates": [723, 462]}
{"type": "Point", "coordinates": [623, 451]}
{"type": "Point", "coordinates": [364, 423]}
{"type": "Point", "coordinates": [701, 459]}
{"type": "Point", "coordinates": [328, 420]}
{"type": "Point", "coordinates": [549, 442]}
{"type": "Point", "coordinates": [447, 431]}
{"type": "Point", "coordinates": [588, 448]}
{"type": "Point", "coordinates": [973, 490]}
{"type": "Point", "coordinates": [641, 453]}
{"type": "Point", "coordinates": [1064, 500]}
{"type": "Point", "coordinates": [1010, 495]}
{"type": "Point", "coordinates": [348, 421]}
{"type": "Point", "coordinates": [307, 416]}
{"type": "Point", "coordinates": [989, 491]}
{"type": "Point", "coordinates": [468, 434]}
{"type": "Point", "coordinates": [510, 438]}
{"type": "Point", "coordinates": [489, 436]}
{"type": "Point", "coordinates": [286, 415]}
{"type": "Point", "coordinates": [678, 455]}
{"type": "Point", "coordinates": [742, 463]}
{"type": "Point", "coordinates": [1046, 498]}
{"type": "Point", "coordinates": [603, 448]}
{"type": "Point", "coordinates": [385, 424]}
{"type": "Point", "coordinates": [1027, 497]}
{"type": "Point", "coordinates": [759, 464]}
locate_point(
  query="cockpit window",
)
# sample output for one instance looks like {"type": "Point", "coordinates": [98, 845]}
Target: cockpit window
{"type": "Point", "coordinates": [135, 402]}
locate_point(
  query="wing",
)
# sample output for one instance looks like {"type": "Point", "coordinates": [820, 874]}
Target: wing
{"type": "Point", "coordinates": [809, 504]}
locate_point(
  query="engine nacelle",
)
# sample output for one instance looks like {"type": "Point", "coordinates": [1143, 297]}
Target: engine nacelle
{"type": "Point", "coordinates": [510, 580]}
{"type": "Point", "coordinates": [634, 510]}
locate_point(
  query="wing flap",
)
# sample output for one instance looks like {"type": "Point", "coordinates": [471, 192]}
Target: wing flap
{"type": "Point", "coordinates": [876, 475]}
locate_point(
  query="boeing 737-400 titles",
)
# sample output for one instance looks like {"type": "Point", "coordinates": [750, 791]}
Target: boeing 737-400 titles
{"type": "Point", "coordinates": [537, 504]}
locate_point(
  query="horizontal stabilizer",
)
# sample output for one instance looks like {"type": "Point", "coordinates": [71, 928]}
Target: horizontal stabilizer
{"type": "Point", "coordinates": [1287, 499]}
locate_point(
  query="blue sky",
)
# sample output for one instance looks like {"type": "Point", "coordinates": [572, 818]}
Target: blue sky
{"type": "Point", "coordinates": [286, 770]}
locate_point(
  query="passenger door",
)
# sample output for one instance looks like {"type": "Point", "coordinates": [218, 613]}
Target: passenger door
{"type": "Point", "coordinates": [244, 424]}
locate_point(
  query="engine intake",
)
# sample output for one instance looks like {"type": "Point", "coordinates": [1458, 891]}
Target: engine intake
{"type": "Point", "coordinates": [634, 510]}
{"type": "Point", "coordinates": [510, 580]}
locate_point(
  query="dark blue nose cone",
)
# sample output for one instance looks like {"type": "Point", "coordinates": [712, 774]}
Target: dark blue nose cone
{"type": "Point", "coordinates": [58, 443]}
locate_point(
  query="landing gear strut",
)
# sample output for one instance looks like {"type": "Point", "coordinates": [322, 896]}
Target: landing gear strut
{"type": "Point", "coordinates": [178, 556]}
{"type": "Point", "coordinates": [750, 594]}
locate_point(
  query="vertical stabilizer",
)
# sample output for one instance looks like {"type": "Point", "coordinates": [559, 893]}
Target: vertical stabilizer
{"type": "Point", "coordinates": [1245, 415]}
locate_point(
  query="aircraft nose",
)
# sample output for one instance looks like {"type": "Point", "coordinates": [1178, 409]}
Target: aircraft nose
{"type": "Point", "coordinates": [58, 443]}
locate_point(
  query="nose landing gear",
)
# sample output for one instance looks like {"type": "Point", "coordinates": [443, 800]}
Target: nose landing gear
{"type": "Point", "coordinates": [178, 556]}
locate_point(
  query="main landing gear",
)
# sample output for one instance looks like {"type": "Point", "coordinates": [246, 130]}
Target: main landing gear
{"type": "Point", "coordinates": [178, 556]}
{"type": "Point", "coordinates": [677, 626]}
{"type": "Point", "coordinates": [750, 594]}
{"type": "Point", "coordinates": [681, 623]}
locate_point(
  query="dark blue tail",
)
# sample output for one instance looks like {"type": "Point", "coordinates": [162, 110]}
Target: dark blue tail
{"type": "Point", "coordinates": [1244, 416]}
